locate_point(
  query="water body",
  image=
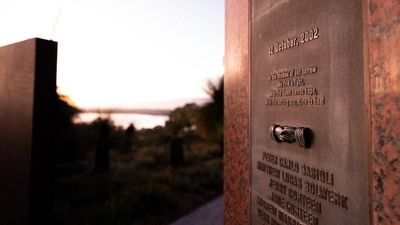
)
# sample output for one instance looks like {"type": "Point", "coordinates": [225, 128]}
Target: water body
{"type": "Point", "coordinates": [124, 119]}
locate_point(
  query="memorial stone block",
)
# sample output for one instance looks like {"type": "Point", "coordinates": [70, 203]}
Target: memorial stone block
{"type": "Point", "coordinates": [27, 98]}
{"type": "Point", "coordinates": [310, 142]}
{"type": "Point", "coordinates": [307, 72]}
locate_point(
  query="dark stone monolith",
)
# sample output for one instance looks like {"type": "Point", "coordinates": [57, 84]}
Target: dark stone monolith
{"type": "Point", "coordinates": [27, 102]}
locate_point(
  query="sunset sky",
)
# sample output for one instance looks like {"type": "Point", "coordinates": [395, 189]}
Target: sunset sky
{"type": "Point", "coordinates": [125, 53]}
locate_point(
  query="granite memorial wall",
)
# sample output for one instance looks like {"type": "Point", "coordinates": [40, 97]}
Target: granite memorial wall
{"type": "Point", "coordinates": [27, 103]}
{"type": "Point", "coordinates": [311, 107]}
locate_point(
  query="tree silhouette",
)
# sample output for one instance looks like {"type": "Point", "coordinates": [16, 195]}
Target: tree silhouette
{"type": "Point", "coordinates": [102, 162]}
{"type": "Point", "coordinates": [210, 121]}
{"type": "Point", "coordinates": [130, 134]}
{"type": "Point", "coordinates": [181, 121]}
{"type": "Point", "coordinates": [66, 140]}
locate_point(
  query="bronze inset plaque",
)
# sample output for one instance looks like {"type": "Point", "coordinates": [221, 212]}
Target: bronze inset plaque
{"type": "Point", "coordinates": [307, 75]}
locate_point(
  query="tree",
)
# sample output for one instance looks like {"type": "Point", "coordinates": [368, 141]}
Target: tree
{"type": "Point", "coordinates": [66, 140]}
{"type": "Point", "coordinates": [182, 119]}
{"type": "Point", "coordinates": [102, 163]}
{"type": "Point", "coordinates": [210, 122]}
{"type": "Point", "coordinates": [130, 134]}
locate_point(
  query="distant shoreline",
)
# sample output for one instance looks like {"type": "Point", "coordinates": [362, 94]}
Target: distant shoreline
{"type": "Point", "coordinates": [160, 109]}
{"type": "Point", "coordinates": [155, 112]}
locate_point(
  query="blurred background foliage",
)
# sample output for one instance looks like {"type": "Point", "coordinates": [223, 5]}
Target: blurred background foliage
{"type": "Point", "coordinates": [108, 175]}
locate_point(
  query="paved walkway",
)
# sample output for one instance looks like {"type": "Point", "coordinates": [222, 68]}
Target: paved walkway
{"type": "Point", "coordinates": [209, 214]}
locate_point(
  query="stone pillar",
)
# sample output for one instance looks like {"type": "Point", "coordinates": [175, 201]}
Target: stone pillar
{"type": "Point", "coordinates": [380, 109]}
{"type": "Point", "coordinates": [236, 113]}
{"type": "Point", "coordinates": [27, 98]}
{"type": "Point", "coordinates": [382, 54]}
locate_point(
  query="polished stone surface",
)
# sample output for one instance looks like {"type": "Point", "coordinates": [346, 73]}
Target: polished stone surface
{"type": "Point", "coordinates": [381, 43]}
{"type": "Point", "coordinates": [384, 72]}
{"type": "Point", "coordinates": [307, 71]}
{"type": "Point", "coordinates": [236, 114]}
